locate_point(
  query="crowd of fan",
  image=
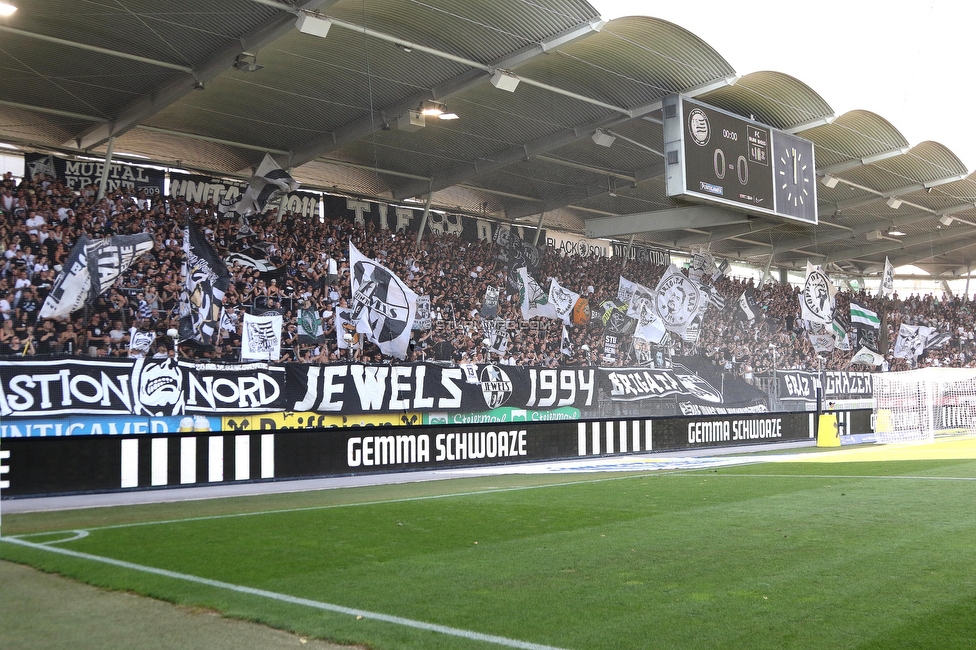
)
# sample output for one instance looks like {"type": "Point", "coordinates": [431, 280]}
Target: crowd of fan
{"type": "Point", "coordinates": [40, 221]}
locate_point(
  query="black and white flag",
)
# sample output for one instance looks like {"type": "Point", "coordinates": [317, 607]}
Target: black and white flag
{"type": "Point", "coordinates": [566, 345]}
{"type": "Point", "coordinates": [887, 286]}
{"type": "Point", "coordinates": [261, 338]}
{"type": "Point", "coordinates": [489, 307]}
{"type": "Point", "coordinates": [747, 305]}
{"type": "Point", "coordinates": [268, 180]}
{"type": "Point", "coordinates": [678, 300]}
{"type": "Point", "coordinates": [91, 268]}
{"type": "Point", "coordinates": [206, 281]}
{"type": "Point", "coordinates": [563, 300]}
{"type": "Point", "coordinates": [817, 297]}
{"type": "Point", "coordinates": [383, 306]}
{"type": "Point", "coordinates": [261, 264]}
{"type": "Point", "coordinates": [911, 341]}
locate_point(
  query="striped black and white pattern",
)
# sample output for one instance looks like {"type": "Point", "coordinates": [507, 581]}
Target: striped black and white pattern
{"type": "Point", "coordinates": [187, 460]}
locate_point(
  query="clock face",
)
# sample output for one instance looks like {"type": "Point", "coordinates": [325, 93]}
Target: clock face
{"type": "Point", "coordinates": [794, 178]}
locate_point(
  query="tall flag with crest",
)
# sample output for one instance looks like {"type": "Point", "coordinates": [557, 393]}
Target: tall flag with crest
{"type": "Point", "coordinates": [563, 300]}
{"type": "Point", "coordinates": [533, 298]}
{"type": "Point", "coordinates": [817, 297]}
{"type": "Point", "coordinates": [267, 180]}
{"type": "Point", "coordinates": [887, 286]}
{"type": "Point", "coordinates": [207, 279]}
{"type": "Point", "coordinates": [867, 326]}
{"type": "Point", "coordinates": [747, 305]}
{"type": "Point", "coordinates": [678, 300]}
{"type": "Point", "coordinates": [383, 306]}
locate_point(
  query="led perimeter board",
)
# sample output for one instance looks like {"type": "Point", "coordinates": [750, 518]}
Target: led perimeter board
{"type": "Point", "coordinates": [718, 157]}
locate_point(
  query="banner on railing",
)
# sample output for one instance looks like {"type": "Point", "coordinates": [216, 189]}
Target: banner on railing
{"type": "Point", "coordinates": [837, 385]}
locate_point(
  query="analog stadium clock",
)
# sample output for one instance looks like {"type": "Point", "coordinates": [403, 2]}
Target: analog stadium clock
{"type": "Point", "coordinates": [794, 177]}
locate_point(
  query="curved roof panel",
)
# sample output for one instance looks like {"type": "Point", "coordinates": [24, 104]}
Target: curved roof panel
{"type": "Point", "coordinates": [164, 84]}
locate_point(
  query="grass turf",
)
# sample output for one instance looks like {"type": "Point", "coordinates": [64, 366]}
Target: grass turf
{"type": "Point", "coordinates": [806, 555]}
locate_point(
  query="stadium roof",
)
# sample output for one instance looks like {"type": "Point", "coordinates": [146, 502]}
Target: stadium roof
{"type": "Point", "coordinates": [212, 86]}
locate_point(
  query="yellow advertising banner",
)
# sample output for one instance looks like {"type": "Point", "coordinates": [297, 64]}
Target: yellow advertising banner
{"type": "Point", "coordinates": [310, 420]}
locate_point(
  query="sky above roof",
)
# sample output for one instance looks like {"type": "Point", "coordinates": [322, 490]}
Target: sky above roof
{"type": "Point", "coordinates": [904, 60]}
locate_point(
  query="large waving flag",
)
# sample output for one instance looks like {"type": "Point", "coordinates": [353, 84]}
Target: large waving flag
{"type": "Point", "coordinates": [91, 268]}
{"type": "Point", "coordinates": [887, 286]}
{"type": "Point", "coordinates": [864, 316]}
{"type": "Point", "coordinates": [563, 300]}
{"type": "Point", "coordinates": [679, 300]}
{"type": "Point", "coordinates": [533, 298]}
{"type": "Point", "coordinates": [383, 306]}
{"type": "Point", "coordinates": [261, 188]}
{"type": "Point", "coordinates": [202, 299]}
{"type": "Point", "coordinates": [817, 297]}
{"type": "Point", "coordinates": [911, 341]}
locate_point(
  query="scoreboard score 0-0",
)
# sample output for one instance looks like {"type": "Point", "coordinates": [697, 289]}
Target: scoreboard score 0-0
{"type": "Point", "coordinates": [719, 157]}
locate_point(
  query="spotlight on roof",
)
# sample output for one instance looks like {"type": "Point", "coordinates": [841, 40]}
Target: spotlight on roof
{"type": "Point", "coordinates": [436, 109]}
{"type": "Point", "coordinates": [830, 181]}
{"type": "Point", "coordinates": [246, 62]}
{"type": "Point", "coordinates": [946, 220]}
{"type": "Point", "coordinates": [893, 203]}
{"type": "Point", "coordinates": [6, 9]}
{"type": "Point", "coordinates": [505, 80]}
{"type": "Point", "coordinates": [313, 25]}
{"type": "Point", "coordinates": [603, 138]}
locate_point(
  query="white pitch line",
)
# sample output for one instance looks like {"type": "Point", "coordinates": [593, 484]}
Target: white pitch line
{"type": "Point", "coordinates": [293, 600]}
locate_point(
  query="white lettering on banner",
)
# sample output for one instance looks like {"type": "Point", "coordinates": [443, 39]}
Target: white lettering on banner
{"type": "Point", "coordinates": [39, 429]}
{"type": "Point", "coordinates": [557, 387]}
{"type": "Point", "coordinates": [699, 432]}
{"type": "Point", "coordinates": [757, 429]}
{"type": "Point", "coordinates": [798, 385]}
{"type": "Point", "coordinates": [444, 223]}
{"type": "Point", "coordinates": [306, 205]}
{"type": "Point", "coordinates": [240, 392]}
{"type": "Point", "coordinates": [732, 430]}
{"type": "Point", "coordinates": [204, 190]}
{"type": "Point", "coordinates": [360, 208]}
{"type": "Point", "coordinates": [380, 388]}
{"type": "Point", "coordinates": [848, 383]}
{"type": "Point", "coordinates": [34, 391]}
{"type": "Point", "coordinates": [94, 170]}
{"type": "Point", "coordinates": [644, 383]}
{"type": "Point", "coordinates": [387, 450]}
{"type": "Point", "coordinates": [474, 445]}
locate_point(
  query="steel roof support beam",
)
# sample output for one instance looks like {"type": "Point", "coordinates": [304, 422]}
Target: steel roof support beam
{"type": "Point", "coordinates": [151, 103]}
{"type": "Point", "coordinates": [697, 216]}
{"type": "Point", "coordinates": [363, 126]}
{"type": "Point", "coordinates": [877, 195]}
{"type": "Point", "coordinates": [578, 194]}
{"type": "Point", "coordinates": [94, 48]}
{"type": "Point", "coordinates": [840, 167]}
{"type": "Point", "coordinates": [544, 144]}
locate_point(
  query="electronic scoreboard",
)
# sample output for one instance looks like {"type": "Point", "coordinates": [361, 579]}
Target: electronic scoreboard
{"type": "Point", "coordinates": [719, 157]}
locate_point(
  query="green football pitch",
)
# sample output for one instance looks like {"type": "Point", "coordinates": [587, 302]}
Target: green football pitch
{"type": "Point", "coordinates": [825, 553]}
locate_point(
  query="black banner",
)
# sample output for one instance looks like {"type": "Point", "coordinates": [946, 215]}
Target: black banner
{"type": "Point", "coordinates": [397, 218]}
{"type": "Point", "coordinates": [101, 463]}
{"type": "Point", "coordinates": [76, 174]}
{"type": "Point", "coordinates": [198, 188]}
{"type": "Point", "coordinates": [357, 388]}
{"type": "Point", "coordinates": [837, 385]}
